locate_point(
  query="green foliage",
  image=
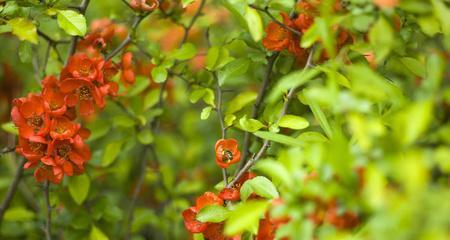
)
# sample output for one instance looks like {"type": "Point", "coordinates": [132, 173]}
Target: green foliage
{"type": "Point", "coordinates": [72, 22]}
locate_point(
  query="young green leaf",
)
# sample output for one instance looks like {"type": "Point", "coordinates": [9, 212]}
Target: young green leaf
{"type": "Point", "coordinates": [279, 138]}
{"type": "Point", "coordinates": [24, 29]}
{"type": "Point", "coordinates": [110, 153]}
{"type": "Point", "coordinates": [254, 23]}
{"type": "Point", "coordinates": [250, 125]}
{"type": "Point", "coordinates": [293, 122]}
{"type": "Point", "coordinates": [151, 98]}
{"type": "Point", "coordinates": [205, 113]}
{"type": "Point", "coordinates": [240, 101]}
{"type": "Point", "coordinates": [245, 216]}
{"type": "Point", "coordinates": [187, 51]}
{"type": "Point", "coordinates": [275, 170]}
{"type": "Point", "coordinates": [145, 137]}
{"type": "Point", "coordinates": [79, 188]}
{"type": "Point", "coordinates": [72, 22]}
{"type": "Point", "coordinates": [264, 187]}
{"type": "Point", "coordinates": [159, 74]}
{"type": "Point", "coordinates": [213, 213]}
{"type": "Point", "coordinates": [233, 69]}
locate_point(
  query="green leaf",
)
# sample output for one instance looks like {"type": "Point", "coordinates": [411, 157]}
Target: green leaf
{"type": "Point", "coordinates": [205, 113]}
{"type": "Point", "coordinates": [18, 214]}
{"type": "Point", "coordinates": [110, 153]}
{"type": "Point", "coordinates": [79, 188]}
{"type": "Point", "coordinates": [254, 23]}
{"type": "Point", "coordinates": [187, 51]}
{"type": "Point", "coordinates": [229, 119]}
{"type": "Point", "coordinates": [213, 213]}
{"type": "Point", "coordinates": [72, 22]}
{"type": "Point", "coordinates": [312, 137]}
{"type": "Point", "coordinates": [240, 101]}
{"type": "Point", "coordinates": [97, 234]}
{"type": "Point", "coordinates": [145, 136]}
{"type": "Point", "coordinates": [263, 187]}
{"type": "Point", "coordinates": [275, 170]}
{"type": "Point", "coordinates": [124, 121]}
{"type": "Point", "coordinates": [151, 98]}
{"type": "Point", "coordinates": [187, 2]}
{"type": "Point", "coordinates": [442, 12]}
{"type": "Point", "coordinates": [319, 115]}
{"type": "Point", "coordinates": [250, 125]}
{"type": "Point", "coordinates": [413, 121]}
{"type": "Point", "coordinates": [25, 54]}
{"type": "Point", "coordinates": [139, 86]}
{"type": "Point", "coordinates": [24, 29]}
{"type": "Point", "coordinates": [292, 80]}
{"type": "Point", "coordinates": [279, 138]}
{"type": "Point", "coordinates": [245, 217]}
{"type": "Point", "coordinates": [10, 128]}
{"type": "Point", "coordinates": [381, 37]}
{"type": "Point", "coordinates": [293, 122]}
{"type": "Point", "coordinates": [211, 57]}
{"type": "Point", "coordinates": [326, 35]}
{"type": "Point", "coordinates": [414, 66]}
{"type": "Point", "coordinates": [159, 74]}
{"type": "Point", "coordinates": [233, 69]}
{"type": "Point", "coordinates": [206, 94]}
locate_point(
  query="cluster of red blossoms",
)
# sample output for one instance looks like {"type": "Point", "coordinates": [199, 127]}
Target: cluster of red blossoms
{"type": "Point", "coordinates": [279, 38]}
{"type": "Point", "coordinates": [214, 231]}
{"type": "Point", "coordinates": [49, 138]}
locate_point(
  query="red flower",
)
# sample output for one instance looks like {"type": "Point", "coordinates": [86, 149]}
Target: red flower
{"type": "Point", "coordinates": [80, 66]}
{"type": "Point", "coordinates": [28, 114]}
{"type": "Point", "coordinates": [33, 151]}
{"type": "Point", "coordinates": [45, 173]}
{"type": "Point", "coordinates": [144, 5]}
{"type": "Point", "coordinates": [54, 99]}
{"type": "Point", "coordinates": [62, 128]}
{"type": "Point", "coordinates": [84, 93]}
{"type": "Point", "coordinates": [67, 156]}
{"type": "Point", "coordinates": [127, 75]}
{"type": "Point", "coordinates": [227, 152]}
{"type": "Point", "coordinates": [190, 214]}
{"type": "Point", "coordinates": [279, 38]}
{"type": "Point", "coordinates": [233, 193]}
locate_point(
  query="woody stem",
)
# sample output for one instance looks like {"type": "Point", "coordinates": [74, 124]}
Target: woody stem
{"type": "Point", "coordinates": [267, 12]}
{"type": "Point", "coordinates": [12, 189]}
{"type": "Point", "coordinates": [48, 223]}
{"type": "Point", "coordinates": [266, 143]}
{"type": "Point", "coordinates": [220, 117]}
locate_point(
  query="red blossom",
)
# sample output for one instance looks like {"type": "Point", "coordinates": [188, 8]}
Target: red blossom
{"type": "Point", "coordinates": [53, 98]}
{"type": "Point", "coordinates": [84, 93]}
{"type": "Point", "coordinates": [144, 5]}
{"type": "Point", "coordinates": [190, 214]}
{"type": "Point", "coordinates": [127, 73]}
{"type": "Point", "coordinates": [33, 151]}
{"type": "Point", "coordinates": [227, 152]}
{"type": "Point", "coordinates": [29, 115]}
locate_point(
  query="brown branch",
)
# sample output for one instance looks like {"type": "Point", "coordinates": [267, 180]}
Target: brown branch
{"type": "Point", "coordinates": [257, 106]}
{"type": "Point", "coordinates": [187, 28]}
{"type": "Point", "coordinates": [136, 21]}
{"type": "Point", "coordinates": [73, 43]}
{"type": "Point", "coordinates": [266, 143]}
{"type": "Point", "coordinates": [12, 189]}
{"type": "Point", "coordinates": [137, 190]}
{"type": "Point", "coordinates": [48, 221]}
{"type": "Point", "coordinates": [266, 11]}
{"type": "Point", "coordinates": [221, 121]}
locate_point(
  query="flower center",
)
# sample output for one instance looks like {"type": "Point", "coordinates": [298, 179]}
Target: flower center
{"type": "Point", "coordinates": [84, 93]}
{"type": "Point", "coordinates": [63, 150]}
{"type": "Point", "coordinates": [37, 147]}
{"type": "Point", "coordinates": [36, 122]}
{"type": "Point", "coordinates": [227, 156]}
{"type": "Point", "coordinates": [85, 69]}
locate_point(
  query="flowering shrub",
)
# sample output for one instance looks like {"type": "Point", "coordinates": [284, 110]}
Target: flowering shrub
{"type": "Point", "coordinates": [224, 120]}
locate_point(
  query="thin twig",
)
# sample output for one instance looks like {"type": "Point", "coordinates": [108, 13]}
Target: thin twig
{"type": "Point", "coordinates": [257, 106]}
{"type": "Point", "coordinates": [266, 11]}
{"type": "Point", "coordinates": [12, 189]}
{"type": "Point", "coordinates": [187, 28]}
{"type": "Point", "coordinates": [48, 222]}
{"type": "Point", "coordinates": [221, 121]}
{"type": "Point", "coordinates": [137, 189]}
{"type": "Point", "coordinates": [136, 21]}
{"type": "Point", "coordinates": [7, 150]}
{"type": "Point", "coordinates": [266, 143]}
